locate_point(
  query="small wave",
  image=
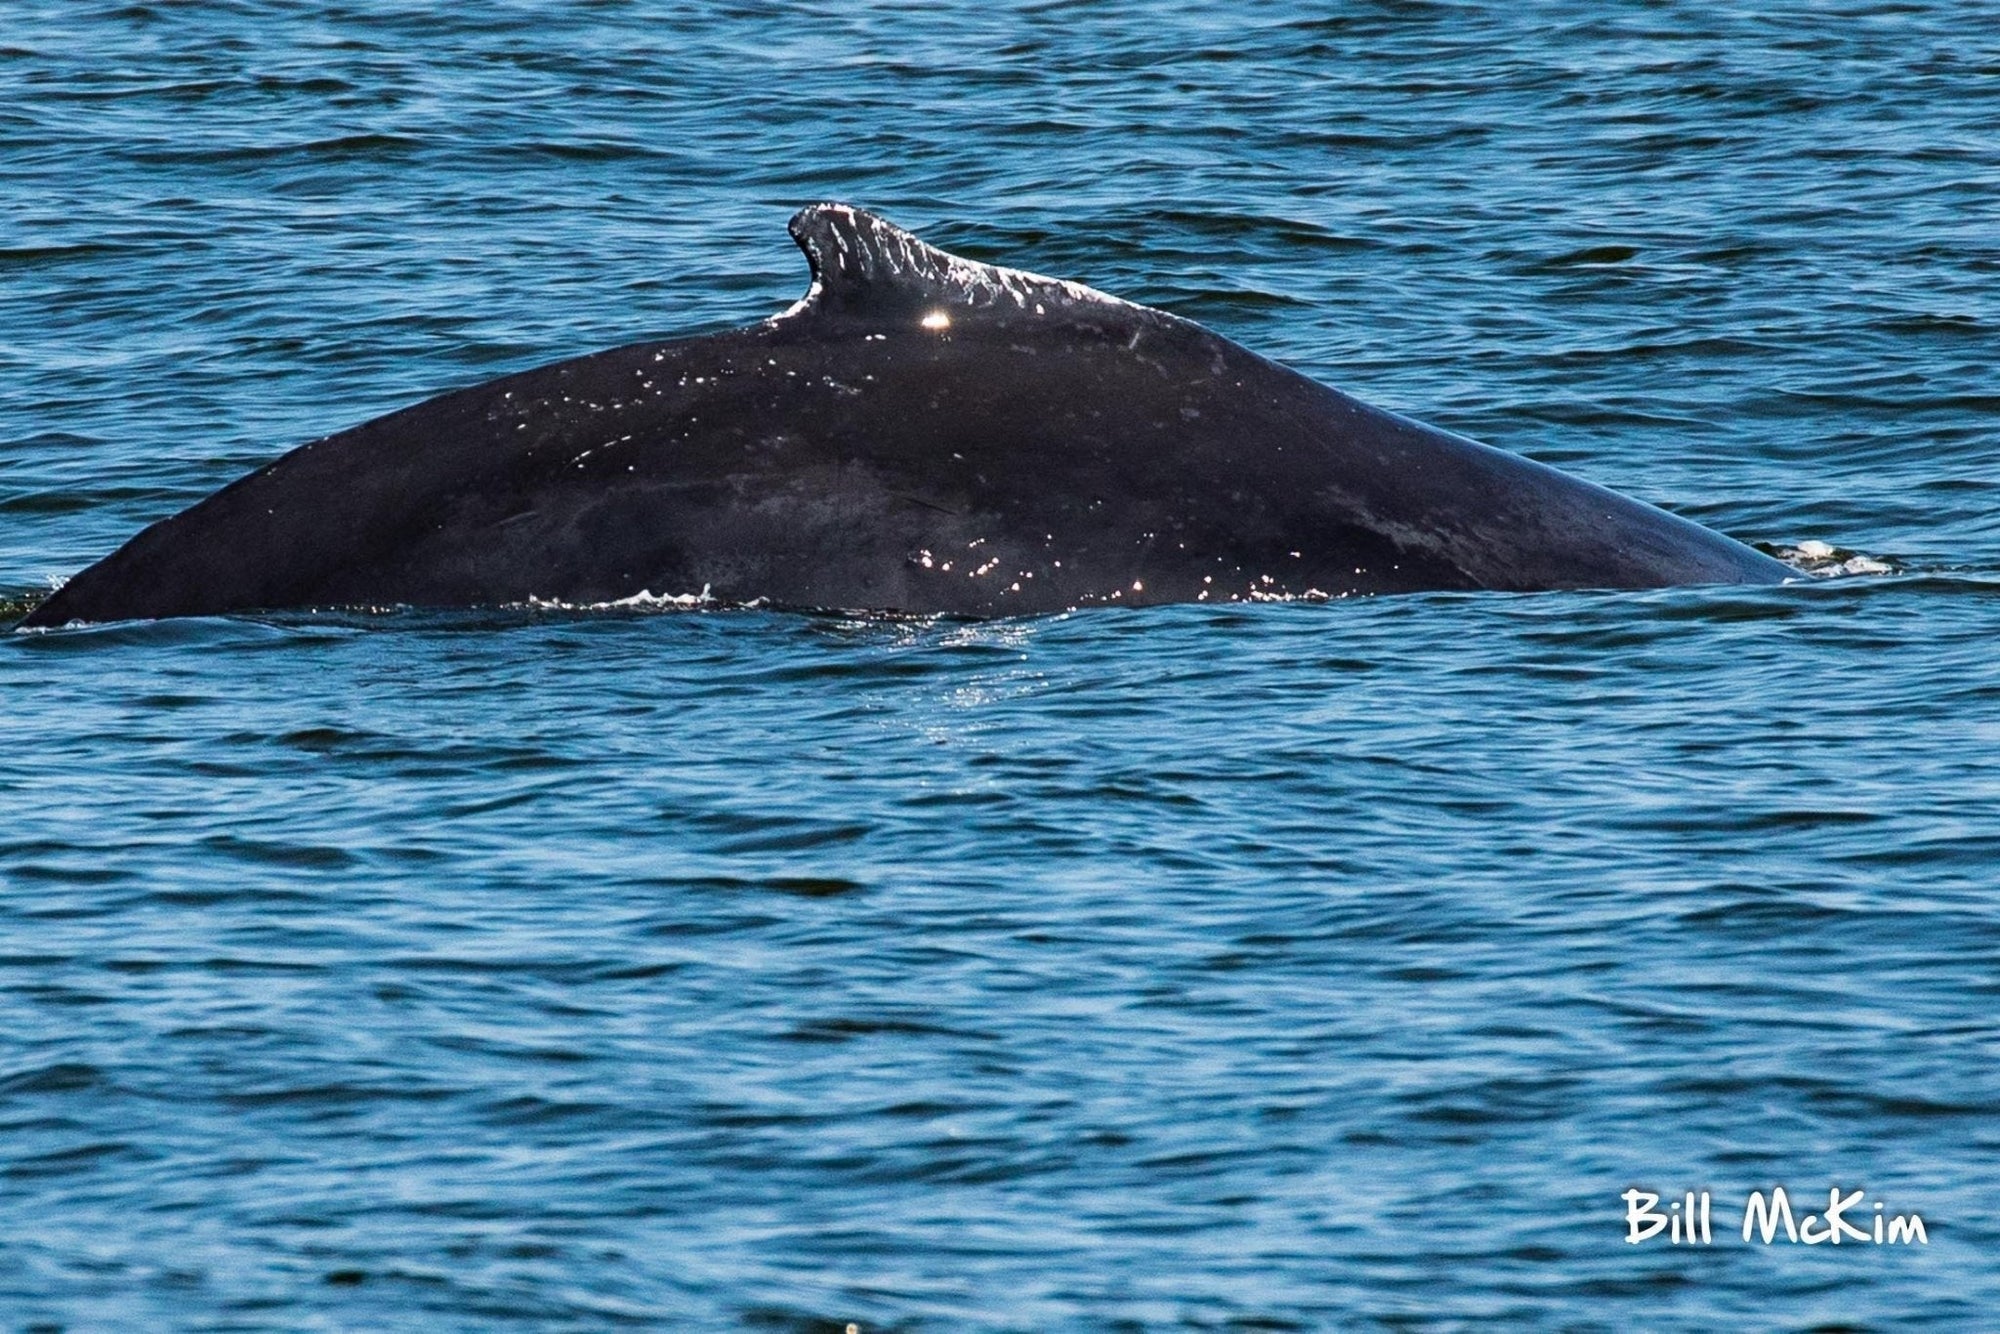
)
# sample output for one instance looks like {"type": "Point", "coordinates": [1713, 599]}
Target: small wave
{"type": "Point", "coordinates": [1829, 561]}
{"type": "Point", "coordinates": [25, 256]}
{"type": "Point", "coordinates": [643, 600]}
{"type": "Point", "coordinates": [334, 148]}
{"type": "Point", "coordinates": [1597, 256]}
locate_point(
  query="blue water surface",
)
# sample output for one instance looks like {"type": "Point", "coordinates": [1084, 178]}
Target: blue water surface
{"type": "Point", "coordinates": [1262, 967]}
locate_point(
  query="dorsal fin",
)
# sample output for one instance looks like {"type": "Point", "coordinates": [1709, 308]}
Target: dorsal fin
{"type": "Point", "coordinates": [866, 266]}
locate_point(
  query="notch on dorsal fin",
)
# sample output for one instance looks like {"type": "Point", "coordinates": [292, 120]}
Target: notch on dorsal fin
{"type": "Point", "coordinates": [865, 266]}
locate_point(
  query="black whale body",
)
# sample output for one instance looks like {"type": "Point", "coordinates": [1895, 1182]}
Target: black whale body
{"type": "Point", "coordinates": [921, 433]}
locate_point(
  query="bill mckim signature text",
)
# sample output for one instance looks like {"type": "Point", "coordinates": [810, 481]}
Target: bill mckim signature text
{"type": "Point", "coordinates": [1847, 1217]}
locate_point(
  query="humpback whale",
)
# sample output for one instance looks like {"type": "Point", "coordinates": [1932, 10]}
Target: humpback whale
{"type": "Point", "coordinates": [920, 433]}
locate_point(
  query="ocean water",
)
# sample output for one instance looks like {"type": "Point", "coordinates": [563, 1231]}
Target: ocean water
{"type": "Point", "coordinates": [1268, 967]}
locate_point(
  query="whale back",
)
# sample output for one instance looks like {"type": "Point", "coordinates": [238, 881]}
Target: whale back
{"type": "Point", "coordinates": [919, 433]}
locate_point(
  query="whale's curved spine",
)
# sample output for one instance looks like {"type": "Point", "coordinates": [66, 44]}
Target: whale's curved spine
{"type": "Point", "coordinates": [919, 433]}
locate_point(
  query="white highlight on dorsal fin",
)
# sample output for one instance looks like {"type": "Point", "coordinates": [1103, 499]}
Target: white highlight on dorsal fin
{"type": "Point", "coordinates": [863, 264]}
